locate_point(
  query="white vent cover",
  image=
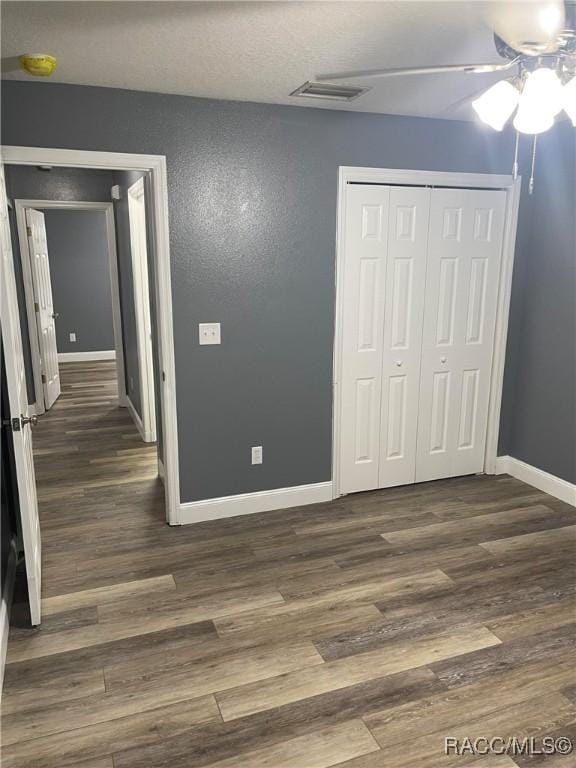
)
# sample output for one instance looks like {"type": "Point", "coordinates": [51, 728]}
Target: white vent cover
{"type": "Point", "coordinates": [330, 91]}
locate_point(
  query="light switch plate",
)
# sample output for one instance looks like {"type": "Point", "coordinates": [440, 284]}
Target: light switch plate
{"type": "Point", "coordinates": [208, 333]}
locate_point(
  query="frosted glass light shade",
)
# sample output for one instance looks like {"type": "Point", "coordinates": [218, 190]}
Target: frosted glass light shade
{"type": "Point", "coordinates": [543, 89]}
{"type": "Point", "coordinates": [496, 104]}
{"type": "Point", "coordinates": [569, 93]}
{"type": "Point", "coordinates": [541, 100]}
{"type": "Point", "coordinates": [532, 121]}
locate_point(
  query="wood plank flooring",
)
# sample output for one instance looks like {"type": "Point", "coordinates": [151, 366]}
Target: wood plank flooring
{"type": "Point", "coordinates": [357, 633]}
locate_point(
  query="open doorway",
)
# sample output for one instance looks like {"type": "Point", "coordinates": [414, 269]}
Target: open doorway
{"type": "Point", "coordinates": [100, 458]}
{"type": "Point", "coordinates": [70, 285]}
{"type": "Point", "coordinates": [84, 272]}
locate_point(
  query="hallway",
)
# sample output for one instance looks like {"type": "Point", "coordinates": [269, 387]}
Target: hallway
{"type": "Point", "coordinates": [356, 633]}
{"type": "Point", "coordinates": [91, 468]}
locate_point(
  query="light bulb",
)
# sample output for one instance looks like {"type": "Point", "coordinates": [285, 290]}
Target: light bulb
{"type": "Point", "coordinates": [541, 100]}
{"type": "Point", "coordinates": [532, 121]}
{"type": "Point", "coordinates": [543, 90]}
{"type": "Point", "coordinates": [496, 104]}
{"type": "Point", "coordinates": [569, 93]}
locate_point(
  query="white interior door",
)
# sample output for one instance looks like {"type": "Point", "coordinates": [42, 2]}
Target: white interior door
{"type": "Point", "coordinates": [364, 276]}
{"type": "Point", "coordinates": [464, 254]}
{"type": "Point", "coordinates": [403, 312]}
{"type": "Point", "coordinates": [17, 395]}
{"type": "Point", "coordinates": [44, 306]}
{"type": "Point", "coordinates": [137, 216]}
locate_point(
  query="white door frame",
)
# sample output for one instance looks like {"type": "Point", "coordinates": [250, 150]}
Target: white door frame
{"type": "Point", "coordinates": [156, 165]}
{"type": "Point", "coordinates": [392, 176]}
{"type": "Point", "coordinates": [20, 207]}
{"type": "Point", "coordinates": [146, 423]}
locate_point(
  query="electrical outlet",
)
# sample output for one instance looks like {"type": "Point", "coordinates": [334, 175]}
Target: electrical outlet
{"type": "Point", "coordinates": [72, 337]}
{"type": "Point", "coordinates": [257, 454]}
{"type": "Point", "coordinates": [209, 333]}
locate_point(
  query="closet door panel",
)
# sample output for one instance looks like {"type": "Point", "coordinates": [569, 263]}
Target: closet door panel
{"type": "Point", "coordinates": [465, 247]}
{"type": "Point", "coordinates": [402, 341]}
{"type": "Point", "coordinates": [365, 246]}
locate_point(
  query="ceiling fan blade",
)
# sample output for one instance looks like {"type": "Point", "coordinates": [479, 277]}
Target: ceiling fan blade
{"type": "Point", "coordinates": [440, 69]}
{"type": "Point", "coordinates": [455, 106]}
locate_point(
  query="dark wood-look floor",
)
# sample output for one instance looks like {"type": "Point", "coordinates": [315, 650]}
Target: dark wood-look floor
{"type": "Point", "coordinates": [356, 634]}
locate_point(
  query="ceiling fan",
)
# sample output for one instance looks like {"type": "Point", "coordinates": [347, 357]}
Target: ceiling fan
{"type": "Point", "coordinates": [537, 41]}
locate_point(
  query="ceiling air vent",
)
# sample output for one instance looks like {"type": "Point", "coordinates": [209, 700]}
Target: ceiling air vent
{"type": "Point", "coordinates": [330, 91]}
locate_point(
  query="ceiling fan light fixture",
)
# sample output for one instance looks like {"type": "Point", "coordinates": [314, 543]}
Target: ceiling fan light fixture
{"type": "Point", "coordinates": [531, 119]}
{"type": "Point", "coordinates": [569, 94]}
{"type": "Point", "coordinates": [550, 19]}
{"type": "Point", "coordinates": [543, 91]}
{"type": "Point", "coordinates": [495, 105]}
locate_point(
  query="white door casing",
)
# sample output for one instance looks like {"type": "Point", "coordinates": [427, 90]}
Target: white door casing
{"type": "Point", "coordinates": [44, 305]}
{"type": "Point", "coordinates": [138, 248]}
{"type": "Point", "coordinates": [155, 166]}
{"type": "Point", "coordinates": [402, 340]}
{"type": "Point", "coordinates": [364, 279]}
{"type": "Point", "coordinates": [465, 249]}
{"type": "Point", "coordinates": [18, 401]}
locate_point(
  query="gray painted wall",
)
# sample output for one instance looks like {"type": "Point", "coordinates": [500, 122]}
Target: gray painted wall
{"type": "Point", "coordinates": [80, 276]}
{"type": "Point", "coordinates": [539, 404]}
{"type": "Point", "coordinates": [77, 184]}
{"type": "Point", "coordinates": [28, 183]}
{"type": "Point", "coordinates": [252, 196]}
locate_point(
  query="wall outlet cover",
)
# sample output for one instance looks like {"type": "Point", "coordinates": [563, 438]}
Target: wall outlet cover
{"type": "Point", "coordinates": [72, 337]}
{"type": "Point", "coordinates": [209, 333]}
{"type": "Point", "coordinates": [257, 454]}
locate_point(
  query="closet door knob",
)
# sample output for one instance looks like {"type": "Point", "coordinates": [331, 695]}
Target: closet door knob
{"type": "Point", "coordinates": [399, 363]}
{"type": "Point", "coordinates": [442, 359]}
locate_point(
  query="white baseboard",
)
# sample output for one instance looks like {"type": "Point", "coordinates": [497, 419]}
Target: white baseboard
{"type": "Point", "coordinates": [5, 608]}
{"type": "Point", "coordinates": [135, 417]}
{"type": "Point", "coordinates": [86, 357]}
{"type": "Point", "coordinates": [248, 503]}
{"type": "Point", "coordinates": [544, 481]}
{"type": "Point", "coordinates": [146, 436]}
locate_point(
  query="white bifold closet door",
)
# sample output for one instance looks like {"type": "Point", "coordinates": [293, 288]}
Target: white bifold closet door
{"type": "Point", "coordinates": [420, 283]}
{"type": "Point", "coordinates": [464, 254]}
{"type": "Point", "coordinates": [403, 317]}
{"type": "Point", "coordinates": [364, 276]}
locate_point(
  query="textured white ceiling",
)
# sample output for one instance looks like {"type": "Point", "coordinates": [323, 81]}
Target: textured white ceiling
{"type": "Point", "coordinates": [259, 51]}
